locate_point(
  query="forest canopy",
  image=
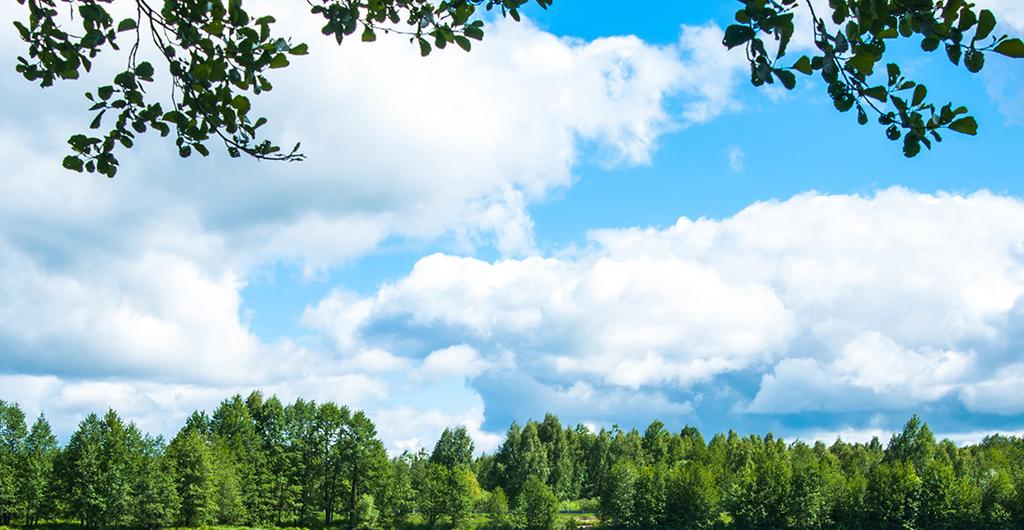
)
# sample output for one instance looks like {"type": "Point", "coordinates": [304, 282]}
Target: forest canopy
{"type": "Point", "coordinates": [256, 461]}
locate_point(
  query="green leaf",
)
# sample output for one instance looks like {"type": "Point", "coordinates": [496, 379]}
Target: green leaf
{"type": "Point", "coordinates": [735, 35]}
{"type": "Point", "coordinates": [911, 146]}
{"type": "Point", "coordinates": [803, 65]}
{"type": "Point", "coordinates": [144, 70]}
{"type": "Point", "coordinates": [787, 78]}
{"type": "Point", "coordinates": [919, 94]}
{"type": "Point", "coordinates": [878, 92]}
{"type": "Point", "coordinates": [127, 24]}
{"type": "Point", "coordinates": [968, 126]}
{"type": "Point", "coordinates": [73, 163]}
{"type": "Point", "coordinates": [894, 72]}
{"type": "Point", "coordinates": [279, 61]}
{"type": "Point", "coordinates": [974, 61]}
{"type": "Point", "coordinates": [241, 104]}
{"type": "Point", "coordinates": [863, 63]}
{"type": "Point", "coordinates": [97, 121]}
{"type": "Point", "coordinates": [986, 23]}
{"type": "Point", "coordinates": [954, 52]}
{"type": "Point", "coordinates": [424, 47]}
{"type": "Point", "coordinates": [368, 34]}
{"type": "Point", "coordinates": [1011, 48]}
{"type": "Point", "coordinates": [463, 42]}
{"type": "Point", "coordinates": [299, 49]}
{"type": "Point", "coordinates": [862, 117]}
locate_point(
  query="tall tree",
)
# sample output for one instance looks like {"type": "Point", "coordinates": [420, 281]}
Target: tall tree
{"type": "Point", "coordinates": [453, 448]}
{"type": "Point", "coordinates": [363, 458]}
{"type": "Point", "coordinates": [37, 472]}
{"type": "Point", "coordinates": [538, 504]}
{"type": "Point", "coordinates": [192, 467]}
{"type": "Point", "coordinates": [691, 498]}
{"type": "Point", "coordinates": [154, 497]}
{"type": "Point", "coordinates": [12, 438]}
{"type": "Point", "coordinates": [244, 460]}
{"type": "Point", "coordinates": [893, 496]}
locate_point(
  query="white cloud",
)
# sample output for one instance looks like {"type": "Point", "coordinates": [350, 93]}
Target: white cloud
{"type": "Point", "coordinates": [1009, 12]}
{"type": "Point", "coordinates": [460, 360]}
{"type": "Point", "coordinates": [737, 159]}
{"type": "Point", "coordinates": [127, 291]}
{"type": "Point", "coordinates": [707, 59]}
{"type": "Point", "coordinates": [872, 372]}
{"type": "Point", "coordinates": [841, 302]}
{"type": "Point", "coordinates": [999, 394]}
{"type": "Point", "coordinates": [411, 429]}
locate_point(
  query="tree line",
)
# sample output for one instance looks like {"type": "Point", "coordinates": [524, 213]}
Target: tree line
{"type": "Point", "coordinates": [256, 461]}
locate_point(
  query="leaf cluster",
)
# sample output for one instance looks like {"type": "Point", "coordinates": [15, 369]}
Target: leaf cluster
{"type": "Point", "coordinates": [216, 56]}
{"type": "Point", "coordinates": [853, 41]}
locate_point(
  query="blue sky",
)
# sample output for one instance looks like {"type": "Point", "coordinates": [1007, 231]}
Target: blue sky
{"type": "Point", "coordinates": [593, 213]}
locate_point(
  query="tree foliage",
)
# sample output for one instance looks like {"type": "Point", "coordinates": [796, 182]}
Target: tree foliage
{"type": "Point", "coordinates": [332, 471]}
{"type": "Point", "coordinates": [852, 39]}
{"type": "Point", "coordinates": [214, 57]}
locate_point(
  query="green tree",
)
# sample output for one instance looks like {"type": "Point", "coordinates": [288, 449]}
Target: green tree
{"type": "Point", "coordinates": [497, 509]}
{"type": "Point", "coordinates": [229, 487]}
{"type": "Point", "coordinates": [154, 497]}
{"type": "Point", "coordinates": [656, 442]}
{"type": "Point", "coordinates": [37, 472]}
{"type": "Point", "coordinates": [453, 448]}
{"type": "Point", "coordinates": [243, 461]}
{"type": "Point", "coordinates": [691, 498]}
{"type": "Point", "coordinates": [330, 426]}
{"type": "Point", "coordinates": [433, 492]}
{"type": "Point", "coordinates": [649, 500]}
{"type": "Point", "coordinates": [462, 491]}
{"type": "Point", "coordinates": [272, 427]}
{"type": "Point", "coordinates": [398, 497]}
{"type": "Point", "coordinates": [538, 504]}
{"type": "Point", "coordinates": [915, 444]}
{"type": "Point", "coordinates": [618, 501]}
{"type": "Point", "coordinates": [530, 459]}
{"type": "Point", "coordinates": [12, 438]}
{"type": "Point", "coordinates": [114, 479]}
{"type": "Point", "coordinates": [192, 467]}
{"type": "Point", "coordinates": [997, 502]}
{"type": "Point", "coordinates": [892, 497]}
{"type": "Point", "coordinates": [366, 513]}
{"type": "Point", "coordinates": [938, 508]}
{"type": "Point", "coordinates": [760, 498]}
{"type": "Point", "coordinates": [363, 457]}
{"type": "Point", "coordinates": [77, 468]}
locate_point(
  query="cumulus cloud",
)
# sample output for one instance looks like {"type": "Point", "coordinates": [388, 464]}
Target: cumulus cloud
{"type": "Point", "coordinates": [840, 302]}
{"type": "Point", "coordinates": [872, 372]}
{"type": "Point", "coordinates": [460, 360]}
{"type": "Point", "coordinates": [127, 292]}
{"type": "Point", "coordinates": [1009, 12]}
{"type": "Point", "coordinates": [410, 429]}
